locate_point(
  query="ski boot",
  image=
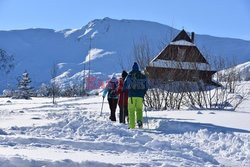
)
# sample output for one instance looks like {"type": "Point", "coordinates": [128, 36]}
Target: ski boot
{"type": "Point", "coordinates": [139, 123]}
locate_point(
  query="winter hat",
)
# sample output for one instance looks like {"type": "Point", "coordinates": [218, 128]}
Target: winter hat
{"type": "Point", "coordinates": [124, 74]}
{"type": "Point", "coordinates": [135, 67]}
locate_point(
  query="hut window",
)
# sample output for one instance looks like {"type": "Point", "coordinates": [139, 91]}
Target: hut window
{"type": "Point", "coordinates": [181, 54]}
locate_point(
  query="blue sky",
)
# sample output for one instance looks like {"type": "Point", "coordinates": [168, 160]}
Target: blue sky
{"type": "Point", "coordinates": [226, 18]}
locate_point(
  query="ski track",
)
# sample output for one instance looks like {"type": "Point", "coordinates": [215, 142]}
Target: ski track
{"type": "Point", "coordinates": [74, 129]}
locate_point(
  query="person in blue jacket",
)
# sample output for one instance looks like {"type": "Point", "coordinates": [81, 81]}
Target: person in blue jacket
{"type": "Point", "coordinates": [137, 85]}
{"type": "Point", "coordinates": [110, 91]}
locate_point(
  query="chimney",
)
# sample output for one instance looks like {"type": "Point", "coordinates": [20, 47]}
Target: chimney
{"type": "Point", "coordinates": [192, 37]}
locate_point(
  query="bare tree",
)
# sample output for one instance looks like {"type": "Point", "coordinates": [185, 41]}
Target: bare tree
{"type": "Point", "coordinates": [229, 95]}
{"type": "Point", "coordinates": [125, 62]}
{"type": "Point", "coordinates": [44, 90]}
{"type": "Point", "coordinates": [6, 61]}
{"type": "Point", "coordinates": [142, 52]}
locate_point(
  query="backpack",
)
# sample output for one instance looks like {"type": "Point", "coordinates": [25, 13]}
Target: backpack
{"type": "Point", "coordinates": [138, 81]}
{"type": "Point", "coordinates": [112, 93]}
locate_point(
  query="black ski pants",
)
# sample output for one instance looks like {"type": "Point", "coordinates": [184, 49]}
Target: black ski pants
{"type": "Point", "coordinates": [123, 113]}
{"type": "Point", "coordinates": [112, 106]}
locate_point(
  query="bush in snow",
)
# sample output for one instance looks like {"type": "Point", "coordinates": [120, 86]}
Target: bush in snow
{"type": "Point", "coordinates": [73, 90]}
{"type": "Point", "coordinates": [24, 89]}
{"type": "Point", "coordinates": [43, 91]}
{"type": "Point", "coordinates": [7, 93]}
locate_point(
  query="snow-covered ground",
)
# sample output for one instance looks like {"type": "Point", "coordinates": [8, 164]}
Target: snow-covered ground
{"type": "Point", "coordinates": [72, 133]}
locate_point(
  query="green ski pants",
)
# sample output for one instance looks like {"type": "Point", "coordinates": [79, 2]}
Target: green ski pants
{"type": "Point", "coordinates": [135, 105]}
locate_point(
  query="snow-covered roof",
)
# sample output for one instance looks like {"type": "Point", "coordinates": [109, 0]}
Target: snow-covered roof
{"type": "Point", "coordinates": [180, 65]}
{"type": "Point", "coordinates": [182, 42]}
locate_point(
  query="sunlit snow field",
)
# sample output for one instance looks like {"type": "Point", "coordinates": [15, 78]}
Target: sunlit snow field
{"type": "Point", "coordinates": [72, 133]}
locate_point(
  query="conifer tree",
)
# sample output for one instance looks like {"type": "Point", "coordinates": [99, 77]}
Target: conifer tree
{"type": "Point", "coordinates": [24, 88]}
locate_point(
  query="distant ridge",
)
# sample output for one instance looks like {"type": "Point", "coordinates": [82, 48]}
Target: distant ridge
{"type": "Point", "coordinates": [111, 42]}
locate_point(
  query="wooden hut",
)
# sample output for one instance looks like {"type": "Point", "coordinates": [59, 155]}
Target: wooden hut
{"type": "Point", "coordinates": [182, 61]}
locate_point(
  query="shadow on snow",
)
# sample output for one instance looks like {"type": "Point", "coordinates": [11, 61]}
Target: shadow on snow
{"type": "Point", "coordinates": [171, 126]}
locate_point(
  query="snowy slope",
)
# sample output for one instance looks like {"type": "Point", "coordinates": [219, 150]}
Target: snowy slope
{"type": "Point", "coordinates": [243, 70]}
{"type": "Point", "coordinates": [71, 133]}
{"type": "Point", "coordinates": [37, 49]}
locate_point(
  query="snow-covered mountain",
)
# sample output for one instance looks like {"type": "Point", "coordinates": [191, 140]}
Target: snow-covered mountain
{"type": "Point", "coordinates": [111, 41]}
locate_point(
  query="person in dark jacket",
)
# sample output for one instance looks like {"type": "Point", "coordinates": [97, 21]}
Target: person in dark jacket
{"type": "Point", "coordinates": [110, 89]}
{"type": "Point", "coordinates": [137, 85]}
{"type": "Point", "coordinates": [123, 98]}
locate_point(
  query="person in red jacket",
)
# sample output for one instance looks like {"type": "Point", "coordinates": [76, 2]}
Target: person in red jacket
{"type": "Point", "coordinates": [123, 98]}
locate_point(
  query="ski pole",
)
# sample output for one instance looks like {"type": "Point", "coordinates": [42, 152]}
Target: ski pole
{"type": "Point", "coordinates": [102, 106]}
{"type": "Point", "coordinates": [123, 106]}
{"type": "Point", "coordinates": [146, 114]}
{"type": "Point", "coordinates": [146, 117]}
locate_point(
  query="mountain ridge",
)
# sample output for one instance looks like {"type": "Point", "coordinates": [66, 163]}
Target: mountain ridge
{"type": "Point", "coordinates": [38, 48]}
{"type": "Point", "coordinates": [122, 20]}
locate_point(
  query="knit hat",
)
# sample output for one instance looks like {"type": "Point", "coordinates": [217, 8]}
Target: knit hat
{"type": "Point", "coordinates": [124, 74]}
{"type": "Point", "coordinates": [135, 67]}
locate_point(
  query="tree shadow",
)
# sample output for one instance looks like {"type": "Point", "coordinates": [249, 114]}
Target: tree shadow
{"type": "Point", "coordinates": [172, 126]}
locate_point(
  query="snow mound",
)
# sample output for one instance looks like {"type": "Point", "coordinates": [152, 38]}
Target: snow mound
{"type": "Point", "coordinates": [199, 112]}
{"type": "Point", "coordinates": [3, 132]}
{"type": "Point", "coordinates": [209, 138]}
{"type": "Point", "coordinates": [21, 162]}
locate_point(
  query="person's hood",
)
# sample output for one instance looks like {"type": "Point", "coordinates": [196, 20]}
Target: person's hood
{"type": "Point", "coordinates": [135, 67]}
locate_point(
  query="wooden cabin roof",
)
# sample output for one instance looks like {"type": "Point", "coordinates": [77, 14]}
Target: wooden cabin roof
{"type": "Point", "coordinates": [182, 53]}
{"type": "Point", "coordinates": [181, 49]}
{"type": "Point", "coordinates": [182, 36]}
